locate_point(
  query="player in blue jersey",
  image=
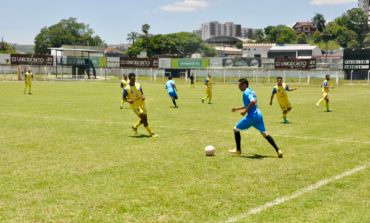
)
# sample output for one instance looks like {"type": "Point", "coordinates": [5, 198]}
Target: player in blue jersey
{"type": "Point", "coordinates": [171, 89]}
{"type": "Point", "coordinates": [253, 118]}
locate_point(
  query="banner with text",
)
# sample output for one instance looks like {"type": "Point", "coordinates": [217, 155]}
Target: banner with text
{"type": "Point", "coordinates": [139, 62]}
{"type": "Point", "coordinates": [189, 63]}
{"type": "Point", "coordinates": [30, 59]}
{"type": "Point", "coordinates": [295, 64]}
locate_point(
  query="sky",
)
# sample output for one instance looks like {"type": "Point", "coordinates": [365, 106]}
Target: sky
{"type": "Point", "coordinates": [112, 20]}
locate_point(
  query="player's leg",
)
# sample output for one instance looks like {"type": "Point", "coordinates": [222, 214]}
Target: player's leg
{"type": "Point", "coordinates": [327, 104]}
{"type": "Point", "coordinates": [122, 102]}
{"type": "Point", "coordinates": [144, 118]}
{"type": "Point", "coordinates": [324, 94]}
{"type": "Point", "coordinates": [206, 97]}
{"type": "Point", "coordinates": [29, 88]}
{"type": "Point", "coordinates": [243, 124]}
{"type": "Point", "coordinates": [260, 125]}
{"type": "Point", "coordinates": [209, 96]}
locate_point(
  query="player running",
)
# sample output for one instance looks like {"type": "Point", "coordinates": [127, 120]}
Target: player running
{"type": "Point", "coordinates": [171, 89]}
{"type": "Point", "coordinates": [208, 83]}
{"type": "Point", "coordinates": [325, 93]}
{"type": "Point", "coordinates": [280, 90]}
{"type": "Point", "coordinates": [254, 118]}
{"type": "Point", "coordinates": [123, 84]}
{"type": "Point", "coordinates": [133, 94]}
{"type": "Point", "coordinates": [28, 77]}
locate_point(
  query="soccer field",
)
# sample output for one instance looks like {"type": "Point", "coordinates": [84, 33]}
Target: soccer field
{"type": "Point", "coordinates": [68, 154]}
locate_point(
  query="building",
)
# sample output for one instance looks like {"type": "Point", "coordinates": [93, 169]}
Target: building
{"type": "Point", "coordinates": [304, 27]}
{"type": "Point", "coordinates": [256, 50]}
{"type": "Point", "coordinates": [247, 33]}
{"type": "Point", "coordinates": [214, 28]}
{"type": "Point", "coordinates": [365, 4]}
{"type": "Point", "coordinates": [294, 51]}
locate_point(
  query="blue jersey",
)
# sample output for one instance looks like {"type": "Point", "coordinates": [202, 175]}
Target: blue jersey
{"type": "Point", "coordinates": [248, 96]}
{"type": "Point", "coordinates": [170, 86]}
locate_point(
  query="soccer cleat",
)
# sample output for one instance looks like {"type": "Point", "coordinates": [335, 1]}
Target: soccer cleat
{"type": "Point", "coordinates": [235, 152]}
{"type": "Point", "coordinates": [317, 105]}
{"type": "Point", "coordinates": [29, 93]}
{"type": "Point", "coordinates": [286, 121]}
{"type": "Point", "coordinates": [329, 110]}
{"type": "Point", "coordinates": [280, 153]}
{"type": "Point", "coordinates": [121, 107]}
{"type": "Point", "coordinates": [202, 101]}
{"type": "Point", "coordinates": [134, 129]}
{"type": "Point", "coordinates": [153, 135]}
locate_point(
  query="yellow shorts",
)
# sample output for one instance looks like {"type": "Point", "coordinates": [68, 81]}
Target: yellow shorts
{"type": "Point", "coordinates": [285, 106]}
{"type": "Point", "coordinates": [139, 110]}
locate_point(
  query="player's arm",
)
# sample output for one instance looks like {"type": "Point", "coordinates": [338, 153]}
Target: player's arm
{"type": "Point", "coordinates": [245, 109]}
{"type": "Point", "coordinates": [142, 93]}
{"type": "Point", "coordinates": [124, 97]}
{"type": "Point", "coordinates": [272, 95]}
{"type": "Point", "coordinates": [174, 87]}
{"type": "Point", "coordinates": [290, 89]}
{"type": "Point", "coordinates": [121, 84]}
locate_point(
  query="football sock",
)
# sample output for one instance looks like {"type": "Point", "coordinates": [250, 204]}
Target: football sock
{"type": "Point", "coordinates": [272, 142]}
{"type": "Point", "coordinates": [149, 130]}
{"type": "Point", "coordinates": [137, 124]}
{"type": "Point", "coordinates": [174, 102]}
{"type": "Point", "coordinates": [321, 100]}
{"type": "Point", "coordinates": [237, 140]}
{"type": "Point", "coordinates": [327, 106]}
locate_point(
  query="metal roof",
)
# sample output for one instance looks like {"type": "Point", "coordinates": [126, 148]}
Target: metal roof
{"type": "Point", "coordinates": [293, 47]}
{"type": "Point", "coordinates": [69, 49]}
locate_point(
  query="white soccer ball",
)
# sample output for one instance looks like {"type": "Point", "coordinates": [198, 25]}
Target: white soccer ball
{"type": "Point", "coordinates": [210, 150]}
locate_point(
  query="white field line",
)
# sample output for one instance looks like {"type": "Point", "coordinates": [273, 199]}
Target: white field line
{"type": "Point", "coordinates": [296, 194]}
{"type": "Point", "coordinates": [184, 129]}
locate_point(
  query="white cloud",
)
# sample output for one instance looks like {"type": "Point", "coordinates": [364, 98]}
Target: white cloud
{"type": "Point", "coordinates": [185, 6]}
{"type": "Point", "coordinates": [331, 2]}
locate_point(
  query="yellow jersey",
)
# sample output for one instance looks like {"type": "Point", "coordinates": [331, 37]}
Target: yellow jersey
{"type": "Point", "coordinates": [124, 83]}
{"type": "Point", "coordinates": [281, 93]}
{"type": "Point", "coordinates": [28, 77]}
{"type": "Point", "coordinates": [135, 94]}
{"type": "Point", "coordinates": [208, 82]}
{"type": "Point", "coordinates": [325, 86]}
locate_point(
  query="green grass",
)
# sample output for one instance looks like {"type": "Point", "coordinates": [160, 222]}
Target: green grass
{"type": "Point", "coordinates": [68, 155]}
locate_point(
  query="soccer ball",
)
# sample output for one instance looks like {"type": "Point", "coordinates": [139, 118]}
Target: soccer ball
{"type": "Point", "coordinates": [210, 150]}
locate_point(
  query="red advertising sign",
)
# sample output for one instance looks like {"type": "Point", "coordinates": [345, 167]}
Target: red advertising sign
{"type": "Point", "coordinates": [30, 59]}
{"type": "Point", "coordinates": [297, 64]}
{"type": "Point", "coordinates": [139, 62]}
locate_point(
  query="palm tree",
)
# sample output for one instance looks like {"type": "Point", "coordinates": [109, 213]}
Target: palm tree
{"type": "Point", "coordinates": [145, 28]}
{"type": "Point", "coordinates": [132, 37]}
{"type": "Point", "coordinates": [319, 22]}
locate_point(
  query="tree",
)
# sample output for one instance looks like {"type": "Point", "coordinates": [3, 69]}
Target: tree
{"type": "Point", "coordinates": [280, 34]}
{"type": "Point", "coordinates": [209, 51]}
{"type": "Point", "coordinates": [239, 45]}
{"type": "Point", "coordinates": [357, 21]}
{"type": "Point", "coordinates": [176, 44]}
{"type": "Point", "coordinates": [259, 36]}
{"type": "Point", "coordinates": [302, 38]}
{"type": "Point", "coordinates": [132, 37]}
{"type": "Point", "coordinates": [66, 32]}
{"type": "Point", "coordinates": [317, 37]}
{"type": "Point", "coordinates": [319, 22]}
{"type": "Point", "coordinates": [6, 48]}
{"type": "Point", "coordinates": [145, 29]}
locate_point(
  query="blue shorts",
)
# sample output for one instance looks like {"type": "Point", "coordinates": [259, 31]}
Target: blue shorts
{"type": "Point", "coordinates": [246, 122]}
{"type": "Point", "coordinates": [173, 94]}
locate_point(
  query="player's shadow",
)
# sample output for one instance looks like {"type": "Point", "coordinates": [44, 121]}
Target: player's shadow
{"type": "Point", "coordinates": [256, 156]}
{"type": "Point", "coordinates": [140, 136]}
